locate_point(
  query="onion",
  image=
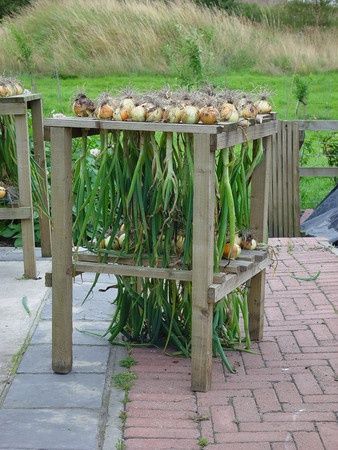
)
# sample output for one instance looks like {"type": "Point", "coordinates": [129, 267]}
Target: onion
{"type": "Point", "coordinates": [263, 106]}
{"type": "Point", "coordinates": [115, 245]}
{"type": "Point", "coordinates": [83, 106]}
{"type": "Point", "coordinates": [249, 244]}
{"type": "Point", "coordinates": [209, 115]}
{"type": "Point", "coordinates": [172, 114]}
{"type": "Point", "coordinates": [2, 192]}
{"type": "Point", "coordinates": [105, 112]}
{"type": "Point", "coordinates": [117, 114]}
{"type": "Point", "coordinates": [229, 112]}
{"type": "Point", "coordinates": [249, 111]}
{"type": "Point", "coordinates": [179, 243]}
{"type": "Point", "coordinates": [138, 114]}
{"type": "Point", "coordinates": [121, 239]}
{"type": "Point", "coordinates": [3, 89]}
{"type": "Point", "coordinates": [126, 107]}
{"type": "Point", "coordinates": [238, 240]}
{"type": "Point", "coordinates": [231, 252]}
{"type": "Point", "coordinates": [153, 113]}
{"type": "Point", "coordinates": [190, 114]}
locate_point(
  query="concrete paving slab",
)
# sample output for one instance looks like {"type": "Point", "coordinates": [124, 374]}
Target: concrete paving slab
{"type": "Point", "coordinates": [96, 308]}
{"type": "Point", "coordinates": [16, 324]}
{"type": "Point", "coordinates": [86, 359]}
{"type": "Point", "coordinates": [84, 333]}
{"type": "Point", "coordinates": [48, 429]}
{"type": "Point", "coordinates": [55, 391]}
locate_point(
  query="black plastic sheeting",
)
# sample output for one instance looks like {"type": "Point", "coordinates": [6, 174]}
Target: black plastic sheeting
{"type": "Point", "coordinates": [323, 221]}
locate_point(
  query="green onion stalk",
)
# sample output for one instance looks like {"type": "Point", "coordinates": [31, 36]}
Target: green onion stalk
{"type": "Point", "coordinates": [134, 204]}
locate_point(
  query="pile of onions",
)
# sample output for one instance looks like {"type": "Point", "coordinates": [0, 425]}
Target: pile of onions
{"type": "Point", "coordinates": [10, 87]}
{"type": "Point", "coordinates": [205, 106]}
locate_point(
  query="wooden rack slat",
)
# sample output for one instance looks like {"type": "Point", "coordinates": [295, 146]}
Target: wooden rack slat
{"type": "Point", "coordinates": [232, 281]}
{"type": "Point", "coordinates": [20, 213]}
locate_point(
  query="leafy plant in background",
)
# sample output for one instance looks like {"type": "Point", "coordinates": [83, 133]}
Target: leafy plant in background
{"type": "Point", "coordinates": [9, 175]}
{"type": "Point", "coordinates": [8, 7]}
{"type": "Point", "coordinates": [301, 92]}
{"type": "Point", "coordinates": [185, 56]}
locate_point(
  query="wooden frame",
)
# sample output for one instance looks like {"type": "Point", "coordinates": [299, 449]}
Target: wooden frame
{"type": "Point", "coordinates": [284, 211]}
{"type": "Point", "coordinates": [207, 287]}
{"type": "Point", "coordinates": [18, 106]}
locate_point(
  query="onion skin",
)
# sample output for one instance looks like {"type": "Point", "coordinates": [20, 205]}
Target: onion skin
{"type": "Point", "coordinates": [250, 244]}
{"type": "Point", "coordinates": [172, 114]}
{"type": "Point", "coordinates": [209, 115]}
{"type": "Point", "coordinates": [127, 103]}
{"type": "Point", "coordinates": [180, 243]}
{"type": "Point", "coordinates": [154, 114]}
{"type": "Point", "coordinates": [263, 106]}
{"type": "Point", "coordinates": [190, 114]}
{"type": "Point", "coordinates": [138, 114]}
{"type": "Point", "coordinates": [229, 113]}
{"type": "Point", "coordinates": [249, 111]}
{"type": "Point", "coordinates": [125, 114]}
{"type": "Point", "coordinates": [105, 112]}
{"type": "Point", "coordinates": [231, 252]}
{"type": "Point", "coordinates": [2, 192]}
{"type": "Point", "coordinates": [238, 240]}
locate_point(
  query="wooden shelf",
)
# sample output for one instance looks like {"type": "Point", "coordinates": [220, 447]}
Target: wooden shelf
{"type": "Point", "coordinates": [222, 128]}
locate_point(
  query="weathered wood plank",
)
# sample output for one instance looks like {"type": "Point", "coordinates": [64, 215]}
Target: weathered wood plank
{"type": "Point", "coordinates": [133, 271]}
{"type": "Point", "coordinates": [290, 178]}
{"type": "Point", "coordinates": [88, 123]}
{"type": "Point", "coordinates": [235, 266]}
{"type": "Point", "coordinates": [240, 135]}
{"type": "Point", "coordinates": [295, 180]}
{"type": "Point", "coordinates": [40, 157]}
{"type": "Point", "coordinates": [25, 194]}
{"type": "Point", "coordinates": [23, 212]}
{"type": "Point", "coordinates": [274, 183]}
{"type": "Point", "coordinates": [259, 224]}
{"type": "Point", "coordinates": [202, 276]}
{"type": "Point", "coordinates": [318, 172]}
{"type": "Point", "coordinates": [12, 108]}
{"type": "Point", "coordinates": [23, 98]}
{"type": "Point", "coordinates": [285, 179]}
{"type": "Point", "coordinates": [232, 281]}
{"type": "Point", "coordinates": [62, 265]}
{"type": "Point", "coordinates": [318, 125]}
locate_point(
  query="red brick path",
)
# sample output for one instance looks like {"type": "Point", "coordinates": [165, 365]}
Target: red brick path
{"type": "Point", "coordinates": [283, 397]}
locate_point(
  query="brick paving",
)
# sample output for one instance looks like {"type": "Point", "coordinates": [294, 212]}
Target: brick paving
{"type": "Point", "coordinates": [285, 396]}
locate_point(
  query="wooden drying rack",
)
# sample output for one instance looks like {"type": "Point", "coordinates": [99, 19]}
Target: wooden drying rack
{"type": "Point", "coordinates": [18, 106]}
{"type": "Point", "coordinates": [207, 287]}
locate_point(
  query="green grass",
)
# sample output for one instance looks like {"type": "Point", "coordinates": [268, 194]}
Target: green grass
{"type": "Point", "coordinates": [323, 104]}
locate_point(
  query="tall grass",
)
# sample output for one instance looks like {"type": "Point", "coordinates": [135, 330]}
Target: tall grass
{"type": "Point", "coordinates": [98, 37]}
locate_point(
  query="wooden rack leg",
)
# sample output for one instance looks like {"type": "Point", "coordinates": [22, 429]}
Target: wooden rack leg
{"type": "Point", "coordinates": [259, 227]}
{"type": "Point", "coordinates": [40, 157]}
{"type": "Point", "coordinates": [25, 194]}
{"type": "Point", "coordinates": [62, 289]}
{"type": "Point", "coordinates": [202, 263]}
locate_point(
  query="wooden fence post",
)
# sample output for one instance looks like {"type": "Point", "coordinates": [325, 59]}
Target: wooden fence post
{"type": "Point", "coordinates": [202, 261]}
{"type": "Point", "coordinates": [40, 157]}
{"type": "Point", "coordinates": [25, 194]}
{"type": "Point", "coordinates": [62, 269]}
{"type": "Point", "coordinates": [259, 226]}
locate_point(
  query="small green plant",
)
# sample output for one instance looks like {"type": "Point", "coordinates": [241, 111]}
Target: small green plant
{"type": "Point", "coordinates": [301, 92]}
{"type": "Point", "coordinates": [120, 445]}
{"type": "Point", "coordinates": [123, 417]}
{"type": "Point", "coordinates": [128, 362]}
{"type": "Point", "coordinates": [203, 442]}
{"type": "Point", "coordinates": [124, 380]}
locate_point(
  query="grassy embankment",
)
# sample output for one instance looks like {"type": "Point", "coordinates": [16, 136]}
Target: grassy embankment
{"type": "Point", "coordinates": [81, 43]}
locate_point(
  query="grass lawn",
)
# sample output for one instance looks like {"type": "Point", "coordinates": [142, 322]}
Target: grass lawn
{"type": "Point", "coordinates": [322, 104]}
